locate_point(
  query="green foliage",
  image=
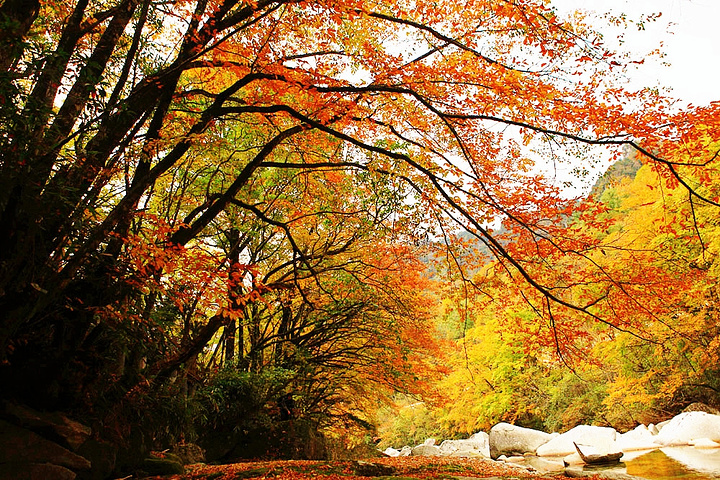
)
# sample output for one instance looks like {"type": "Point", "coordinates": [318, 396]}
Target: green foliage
{"type": "Point", "coordinates": [241, 399]}
{"type": "Point", "coordinates": [573, 398]}
{"type": "Point", "coordinates": [410, 424]}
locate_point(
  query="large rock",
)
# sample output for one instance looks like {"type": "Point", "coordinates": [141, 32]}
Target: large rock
{"type": "Point", "coordinates": [600, 439]}
{"type": "Point", "coordinates": [23, 446]}
{"type": "Point", "coordinates": [640, 438]}
{"type": "Point", "coordinates": [425, 451]}
{"type": "Point", "coordinates": [54, 426]}
{"type": "Point", "coordinates": [482, 440]}
{"type": "Point", "coordinates": [476, 445]}
{"type": "Point", "coordinates": [448, 447]}
{"type": "Point", "coordinates": [506, 439]}
{"type": "Point", "coordinates": [686, 427]}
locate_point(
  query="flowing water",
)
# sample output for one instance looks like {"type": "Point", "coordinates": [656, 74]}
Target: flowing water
{"type": "Point", "coordinates": [686, 463]}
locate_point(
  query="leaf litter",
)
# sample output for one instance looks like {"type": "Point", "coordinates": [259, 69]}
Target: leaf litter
{"type": "Point", "coordinates": [400, 468]}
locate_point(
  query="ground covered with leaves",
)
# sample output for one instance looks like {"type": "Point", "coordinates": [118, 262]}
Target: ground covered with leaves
{"type": "Point", "coordinates": [402, 468]}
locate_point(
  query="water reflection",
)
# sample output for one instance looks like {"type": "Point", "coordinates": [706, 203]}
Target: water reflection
{"type": "Point", "coordinates": [657, 465]}
{"type": "Point", "coordinates": [706, 460]}
{"type": "Point", "coordinates": [674, 462]}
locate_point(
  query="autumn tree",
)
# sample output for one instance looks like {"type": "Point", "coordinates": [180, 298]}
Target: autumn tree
{"type": "Point", "coordinates": [505, 367]}
{"type": "Point", "coordinates": [133, 132]}
{"type": "Point", "coordinates": [345, 327]}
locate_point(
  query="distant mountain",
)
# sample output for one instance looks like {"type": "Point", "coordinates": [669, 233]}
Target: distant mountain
{"type": "Point", "coordinates": [626, 167]}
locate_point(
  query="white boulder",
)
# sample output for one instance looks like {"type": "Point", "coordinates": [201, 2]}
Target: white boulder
{"type": "Point", "coordinates": [448, 447]}
{"type": "Point", "coordinates": [689, 426]}
{"type": "Point", "coordinates": [661, 425]}
{"type": "Point", "coordinates": [425, 451]}
{"type": "Point", "coordinates": [391, 452]}
{"type": "Point", "coordinates": [600, 439]}
{"type": "Point", "coordinates": [640, 438]}
{"type": "Point", "coordinates": [507, 439]}
{"type": "Point", "coordinates": [482, 442]}
{"type": "Point", "coordinates": [470, 447]}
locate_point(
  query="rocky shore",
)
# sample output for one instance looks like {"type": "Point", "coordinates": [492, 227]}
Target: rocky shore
{"type": "Point", "coordinates": [555, 452]}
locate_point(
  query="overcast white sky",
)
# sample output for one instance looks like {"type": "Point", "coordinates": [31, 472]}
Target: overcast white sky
{"type": "Point", "coordinates": [693, 47]}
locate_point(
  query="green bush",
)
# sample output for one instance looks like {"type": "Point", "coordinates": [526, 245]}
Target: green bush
{"type": "Point", "coordinates": [240, 398]}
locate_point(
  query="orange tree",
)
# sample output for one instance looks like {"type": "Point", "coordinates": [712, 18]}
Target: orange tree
{"type": "Point", "coordinates": [108, 106]}
{"type": "Point", "coordinates": [504, 367]}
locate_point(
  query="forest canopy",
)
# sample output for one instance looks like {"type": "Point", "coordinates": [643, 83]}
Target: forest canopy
{"type": "Point", "coordinates": [217, 212]}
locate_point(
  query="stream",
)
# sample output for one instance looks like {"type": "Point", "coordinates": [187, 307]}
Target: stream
{"type": "Point", "coordinates": [670, 463]}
